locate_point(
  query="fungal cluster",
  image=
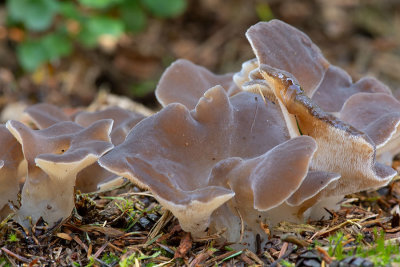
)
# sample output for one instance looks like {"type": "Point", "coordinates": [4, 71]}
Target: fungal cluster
{"type": "Point", "coordinates": [282, 139]}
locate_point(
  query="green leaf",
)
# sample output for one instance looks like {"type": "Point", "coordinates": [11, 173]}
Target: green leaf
{"type": "Point", "coordinates": [99, 3]}
{"type": "Point", "coordinates": [36, 15]}
{"type": "Point", "coordinates": [57, 45]}
{"type": "Point", "coordinates": [143, 88]}
{"type": "Point", "coordinates": [133, 16]}
{"type": "Point", "coordinates": [264, 12]}
{"type": "Point", "coordinates": [164, 8]}
{"type": "Point", "coordinates": [94, 27]}
{"type": "Point", "coordinates": [31, 54]}
{"type": "Point", "coordinates": [69, 10]}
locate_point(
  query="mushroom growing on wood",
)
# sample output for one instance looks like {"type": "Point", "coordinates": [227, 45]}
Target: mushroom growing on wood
{"type": "Point", "coordinates": [55, 155]}
{"type": "Point", "coordinates": [10, 159]}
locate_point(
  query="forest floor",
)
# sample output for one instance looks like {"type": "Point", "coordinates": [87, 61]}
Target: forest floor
{"type": "Point", "coordinates": [126, 226]}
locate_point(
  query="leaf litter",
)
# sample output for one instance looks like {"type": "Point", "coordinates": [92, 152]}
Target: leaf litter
{"type": "Point", "coordinates": [126, 227]}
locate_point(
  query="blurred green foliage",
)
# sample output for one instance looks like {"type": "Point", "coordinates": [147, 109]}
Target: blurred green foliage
{"type": "Point", "coordinates": [52, 27]}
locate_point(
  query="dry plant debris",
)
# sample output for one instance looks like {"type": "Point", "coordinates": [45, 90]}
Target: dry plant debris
{"type": "Point", "coordinates": [373, 215]}
{"type": "Point", "coordinates": [117, 229]}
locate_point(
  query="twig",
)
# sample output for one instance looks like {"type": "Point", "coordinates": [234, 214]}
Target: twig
{"type": "Point", "coordinates": [18, 257]}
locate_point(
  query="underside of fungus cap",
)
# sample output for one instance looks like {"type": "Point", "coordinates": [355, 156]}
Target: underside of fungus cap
{"type": "Point", "coordinates": [283, 47]}
{"type": "Point", "coordinates": [45, 115]}
{"type": "Point", "coordinates": [184, 82]}
{"type": "Point", "coordinates": [124, 120]}
{"type": "Point", "coordinates": [244, 75]}
{"type": "Point", "coordinates": [342, 148]}
{"type": "Point", "coordinates": [173, 152]}
{"type": "Point", "coordinates": [337, 87]}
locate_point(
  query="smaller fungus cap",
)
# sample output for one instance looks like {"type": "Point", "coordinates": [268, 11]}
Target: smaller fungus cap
{"type": "Point", "coordinates": [184, 82]}
{"type": "Point", "coordinates": [283, 47]}
{"type": "Point", "coordinates": [337, 87]}
{"type": "Point", "coordinates": [378, 115]}
{"type": "Point", "coordinates": [314, 183]}
{"type": "Point", "coordinates": [369, 112]}
{"type": "Point", "coordinates": [55, 155]}
{"type": "Point", "coordinates": [89, 179]}
{"type": "Point", "coordinates": [45, 115]}
{"type": "Point", "coordinates": [124, 121]}
{"type": "Point", "coordinates": [63, 144]}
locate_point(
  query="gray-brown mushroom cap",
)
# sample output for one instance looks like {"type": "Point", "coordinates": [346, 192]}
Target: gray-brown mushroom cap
{"type": "Point", "coordinates": [283, 47]}
{"type": "Point", "coordinates": [337, 86]}
{"type": "Point", "coordinates": [124, 121]}
{"type": "Point", "coordinates": [378, 115]}
{"type": "Point", "coordinates": [55, 155]}
{"type": "Point", "coordinates": [89, 179]}
{"type": "Point", "coordinates": [45, 115]}
{"type": "Point", "coordinates": [173, 152]}
{"type": "Point", "coordinates": [364, 110]}
{"type": "Point", "coordinates": [184, 82]}
{"type": "Point", "coordinates": [227, 150]}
